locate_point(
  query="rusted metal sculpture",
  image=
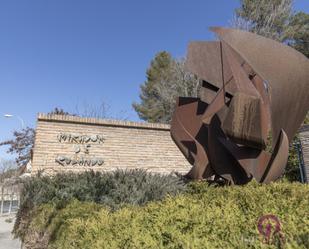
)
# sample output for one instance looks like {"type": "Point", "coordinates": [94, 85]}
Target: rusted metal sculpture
{"type": "Point", "coordinates": [254, 97]}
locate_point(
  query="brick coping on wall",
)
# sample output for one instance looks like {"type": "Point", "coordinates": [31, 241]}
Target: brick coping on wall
{"type": "Point", "coordinates": [114, 122]}
{"type": "Point", "coordinates": [103, 122]}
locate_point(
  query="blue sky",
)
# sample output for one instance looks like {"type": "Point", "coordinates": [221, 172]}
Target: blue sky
{"type": "Point", "coordinates": [69, 52]}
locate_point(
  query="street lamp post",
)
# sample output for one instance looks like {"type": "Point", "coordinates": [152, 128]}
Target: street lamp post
{"type": "Point", "coordinates": [18, 117]}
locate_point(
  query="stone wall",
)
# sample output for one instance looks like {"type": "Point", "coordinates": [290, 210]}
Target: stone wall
{"type": "Point", "coordinates": [68, 143]}
{"type": "Point", "coordinates": [304, 139]}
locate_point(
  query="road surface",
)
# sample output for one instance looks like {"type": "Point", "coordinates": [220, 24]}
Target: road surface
{"type": "Point", "coordinates": [6, 238]}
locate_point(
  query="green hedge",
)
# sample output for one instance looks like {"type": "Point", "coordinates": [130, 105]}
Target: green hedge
{"type": "Point", "coordinates": [114, 190]}
{"type": "Point", "coordinates": [204, 217]}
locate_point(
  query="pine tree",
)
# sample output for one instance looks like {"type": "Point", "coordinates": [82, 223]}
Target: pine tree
{"type": "Point", "coordinates": [167, 79]}
{"type": "Point", "coordinates": [299, 32]}
{"type": "Point", "coordinates": [150, 108]}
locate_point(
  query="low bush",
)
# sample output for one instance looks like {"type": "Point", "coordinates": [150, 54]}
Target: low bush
{"type": "Point", "coordinates": [292, 171]}
{"type": "Point", "coordinates": [204, 217]}
{"type": "Point", "coordinates": [114, 190]}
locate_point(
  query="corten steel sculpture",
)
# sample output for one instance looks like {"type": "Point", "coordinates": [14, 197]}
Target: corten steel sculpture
{"type": "Point", "coordinates": [254, 97]}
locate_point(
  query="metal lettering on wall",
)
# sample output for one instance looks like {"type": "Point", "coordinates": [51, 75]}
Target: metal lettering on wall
{"type": "Point", "coordinates": [81, 146]}
{"type": "Point", "coordinates": [79, 139]}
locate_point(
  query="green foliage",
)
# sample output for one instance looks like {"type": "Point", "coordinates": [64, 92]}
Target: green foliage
{"type": "Point", "coordinates": [266, 17]}
{"type": "Point", "coordinates": [292, 171]}
{"type": "Point", "coordinates": [205, 217]}
{"type": "Point", "coordinates": [114, 189]}
{"type": "Point", "coordinates": [159, 69]}
{"type": "Point", "coordinates": [306, 122]}
{"type": "Point", "coordinates": [299, 32]}
{"type": "Point", "coordinates": [166, 80]}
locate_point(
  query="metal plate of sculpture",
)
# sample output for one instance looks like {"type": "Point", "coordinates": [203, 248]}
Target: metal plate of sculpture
{"type": "Point", "coordinates": [254, 97]}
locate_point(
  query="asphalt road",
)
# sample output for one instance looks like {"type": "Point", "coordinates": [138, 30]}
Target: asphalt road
{"type": "Point", "coordinates": [6, 238]}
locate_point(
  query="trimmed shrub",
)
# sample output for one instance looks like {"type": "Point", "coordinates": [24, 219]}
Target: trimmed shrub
{"type": "Point", "coordinates": [292, 171]}
{"type": "Point", "coordinates": [114, 190]}
{"type": "Point", "coordinates": [205, 217]}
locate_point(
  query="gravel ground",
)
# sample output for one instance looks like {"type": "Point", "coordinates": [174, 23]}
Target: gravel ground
{"type": "Point", "coordinates": [6, 238]}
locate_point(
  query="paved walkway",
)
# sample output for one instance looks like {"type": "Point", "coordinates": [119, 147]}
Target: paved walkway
{"type": "Point", "coordinates": [6, 238]}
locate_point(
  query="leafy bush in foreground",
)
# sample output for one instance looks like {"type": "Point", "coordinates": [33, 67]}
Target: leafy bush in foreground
{"type": "Point", "coordinates": [113, 189]}
{"type": "Point", "coordinates": [205, 217]}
